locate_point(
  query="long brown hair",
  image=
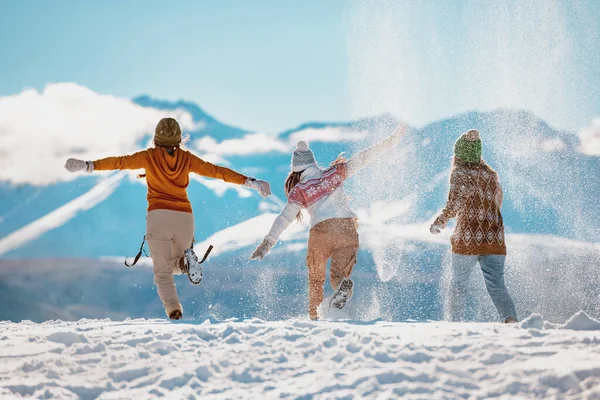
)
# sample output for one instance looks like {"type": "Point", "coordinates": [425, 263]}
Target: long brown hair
{"type": "Point", "coordinates": [292, 180]}
{"type": "Point", "coordinates": [169, 149]}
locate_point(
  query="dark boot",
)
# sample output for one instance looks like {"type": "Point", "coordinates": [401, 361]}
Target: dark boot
{"type": "Point", "coordinates": [175, 315]}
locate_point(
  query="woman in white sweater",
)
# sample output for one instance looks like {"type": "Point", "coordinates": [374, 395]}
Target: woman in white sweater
{"type": "Point", "coordinates": [333, 223]}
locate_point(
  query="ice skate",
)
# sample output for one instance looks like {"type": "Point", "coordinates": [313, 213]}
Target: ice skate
{"type": "Point", "coordinates": [192, 267]}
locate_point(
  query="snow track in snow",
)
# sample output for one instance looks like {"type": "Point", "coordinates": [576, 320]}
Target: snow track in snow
{"type": "Point", "coordinates": [298, 359]}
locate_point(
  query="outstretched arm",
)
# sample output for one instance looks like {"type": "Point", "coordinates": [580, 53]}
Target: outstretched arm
{"type": "Point", "coordinates": [367, 156]}
{"type": "Point", "coordinates": [455, 203]}
{"type": "Point", "coordinates": [133, 161]}
{"type": "Point", "coordinates": [204, 168]}
{"type": "Point", "coordinates": [283, 220]}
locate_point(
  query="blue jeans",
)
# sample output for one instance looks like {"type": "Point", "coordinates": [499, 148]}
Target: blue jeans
{"type": "Point", "coordinates": [492, 267]}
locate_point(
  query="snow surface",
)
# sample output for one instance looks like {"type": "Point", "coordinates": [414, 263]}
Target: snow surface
{"type": "Point", "coordinates": [299, 359]}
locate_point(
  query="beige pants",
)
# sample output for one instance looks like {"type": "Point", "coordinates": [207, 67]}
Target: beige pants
{"type": "Point", "coordinates": [168, 234]}
{"type": "Point", "coordinates": [336, 238]}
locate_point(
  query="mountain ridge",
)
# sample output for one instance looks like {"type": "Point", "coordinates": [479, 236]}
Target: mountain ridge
{"type": "Point", "coordinates": [423, 156]}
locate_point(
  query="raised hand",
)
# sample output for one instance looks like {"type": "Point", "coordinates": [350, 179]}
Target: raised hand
{"type": "Point", "coordinates": [375, 152]}
{"type": "Point", "coordinates": [400, 130]}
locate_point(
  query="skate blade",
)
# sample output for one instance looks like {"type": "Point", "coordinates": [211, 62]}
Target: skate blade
{"type": "Point", "coordinates": [195, 277]}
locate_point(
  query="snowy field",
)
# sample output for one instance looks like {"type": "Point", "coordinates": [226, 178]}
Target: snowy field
{"type": "Point", "coordinates": [299, 359]}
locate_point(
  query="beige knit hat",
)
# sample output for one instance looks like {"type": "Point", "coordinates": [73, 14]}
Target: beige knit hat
{"type": "Point", "coordinates": [167, 132]}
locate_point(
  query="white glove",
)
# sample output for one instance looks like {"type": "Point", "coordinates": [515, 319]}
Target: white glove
{"type": "Point", "coordinates": [400, 130]}
{"type": "Point", "coordinates": [262, 187]}
{"type": "Point", "coordinates": [261, 251]}
{"type": "Point", "coordinates": [395, 137]}
{"type": "Point", "coordinates": [435, 229]}
{"type": "Point", "coordinates": [74, 165]}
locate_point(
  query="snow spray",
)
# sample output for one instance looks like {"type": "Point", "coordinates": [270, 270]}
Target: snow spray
{"type": "Point", "coordinates": [514, 61]}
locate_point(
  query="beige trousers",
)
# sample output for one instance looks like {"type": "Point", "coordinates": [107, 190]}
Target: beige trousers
{"type": "Point", "coordinates": [168, 234]}
{"type": "Point", "coordinates": [334, 238]}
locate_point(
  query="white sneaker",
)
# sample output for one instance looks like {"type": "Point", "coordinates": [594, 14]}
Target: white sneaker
{"type": "Point", "coordinates": [343, 294]}
{"type": "Point", "coordinates": [194, 269]}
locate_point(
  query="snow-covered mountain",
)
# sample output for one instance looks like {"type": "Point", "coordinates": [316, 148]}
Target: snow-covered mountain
{"type": "Point", "coordinates": [63, 243]}
{"type": "Point", "coordinates": [402, 278]}
{"type": "Point", "coordinates": [550, 186]}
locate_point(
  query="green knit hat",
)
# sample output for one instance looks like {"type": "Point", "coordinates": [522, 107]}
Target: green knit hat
{"type": "Point", "coordinates": [468, 147]}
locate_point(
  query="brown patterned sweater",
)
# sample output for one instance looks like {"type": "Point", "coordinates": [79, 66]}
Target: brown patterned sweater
{"type": "Point", "coordinates": [475, 199]}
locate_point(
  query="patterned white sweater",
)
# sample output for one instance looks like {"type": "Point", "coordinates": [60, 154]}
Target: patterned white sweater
{"type": "Point", "coordinates": [321, 191]}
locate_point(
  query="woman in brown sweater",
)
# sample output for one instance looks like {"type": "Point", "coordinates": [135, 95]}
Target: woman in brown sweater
{"type": "Point", "coordinates": [475, 199]}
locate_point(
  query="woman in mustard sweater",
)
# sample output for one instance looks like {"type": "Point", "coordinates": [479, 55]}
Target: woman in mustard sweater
{"type": "Point", "coordinates": [170, 222]}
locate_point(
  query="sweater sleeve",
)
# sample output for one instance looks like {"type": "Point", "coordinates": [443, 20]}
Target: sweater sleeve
{"type": "Point", "coordinates": [134, 161]}
{"type": "Point", "coordinates": [499, 194]}
{"type": "Point", "coordinates": [204, 168]}
{"type": "Point", "coordinates": [456, 199]}
{"type": "Point", "coordinates": [367, 156]}
{"type": "Point", "coordinates": [283, 220]}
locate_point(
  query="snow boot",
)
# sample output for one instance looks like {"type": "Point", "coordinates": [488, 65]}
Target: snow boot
{"type": "Point", "coordinates": [192, 267]}
{"type": "Point", "coordinates": [343, 294]}
{"type": "Point", "coordinates": [175, 315]}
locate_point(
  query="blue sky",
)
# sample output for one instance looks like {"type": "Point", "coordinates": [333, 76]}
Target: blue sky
{"type": "Point", "coordinates": [270, 65]}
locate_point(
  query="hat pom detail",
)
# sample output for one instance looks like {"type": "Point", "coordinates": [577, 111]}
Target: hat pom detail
{"type": "Point", "coordinates": [472, 135]}
{"type": "Point", "coordinates": [302, 157]}
{"type": "Point", "coordinates": [301, 145]}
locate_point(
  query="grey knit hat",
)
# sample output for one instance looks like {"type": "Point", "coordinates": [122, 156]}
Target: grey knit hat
{"type": "Point", "coordinates": [303, 157]}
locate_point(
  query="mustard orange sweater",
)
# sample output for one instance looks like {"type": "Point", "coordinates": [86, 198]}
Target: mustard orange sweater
{"type": "Point", "coordinates": [168, 176]}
